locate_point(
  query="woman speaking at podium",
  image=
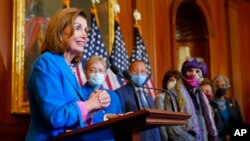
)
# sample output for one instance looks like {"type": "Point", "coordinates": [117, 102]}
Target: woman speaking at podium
{"type": "Point", "coordinates": [56, 102]}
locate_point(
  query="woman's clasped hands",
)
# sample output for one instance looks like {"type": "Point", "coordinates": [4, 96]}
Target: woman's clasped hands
{"type": "Point", "coordinates": [103, 98]}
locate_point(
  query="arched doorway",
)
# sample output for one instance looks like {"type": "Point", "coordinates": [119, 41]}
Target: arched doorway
{"type": "Point", "coordinates": [191, 33]}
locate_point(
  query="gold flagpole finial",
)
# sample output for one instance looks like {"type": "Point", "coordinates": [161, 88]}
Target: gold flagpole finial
{"type": "Point", "coordinates": [116, 9]}
{"type": "Point", "coordinates": [137, 17]}
{"type": "Point", "coordinates": [94, 11]}
{"type": "Point", "coordinates": [94, 2]}
{"type": "Point", "coordinates": [66, 3]}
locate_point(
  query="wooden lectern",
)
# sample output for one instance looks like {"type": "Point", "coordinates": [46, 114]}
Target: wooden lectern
{"type": "Point", "coordinates": [128, 127]}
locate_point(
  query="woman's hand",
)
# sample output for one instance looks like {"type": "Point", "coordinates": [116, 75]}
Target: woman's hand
{"type": "Point", "coordinates": [93, 103]}
{"type": "Point", "coordinates": [104, 98]}
{"type": "Point", "coordinates": [97, 100]}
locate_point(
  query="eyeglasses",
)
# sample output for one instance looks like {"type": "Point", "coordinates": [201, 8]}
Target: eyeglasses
{"type": "Point", "coordinates": [198, 59]}
{"type": "Point", "coordinates": [94, 70]}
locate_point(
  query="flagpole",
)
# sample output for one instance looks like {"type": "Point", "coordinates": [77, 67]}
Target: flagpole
{"type": "Point", "coordinates": [94, 11]}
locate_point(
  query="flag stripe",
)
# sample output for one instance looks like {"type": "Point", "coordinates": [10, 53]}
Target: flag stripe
{"type": "Point", "coordinates": [79, 75]}
{"type": "Point", "coordinates": [108, 82]}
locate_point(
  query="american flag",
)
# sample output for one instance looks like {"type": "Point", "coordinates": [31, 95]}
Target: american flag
{"type": "Point", "coordinates": [119, 56]}
{"type": "Point", "coordinates": [94, 46]}
{"type": "Point", "coordinates": [140, 53]}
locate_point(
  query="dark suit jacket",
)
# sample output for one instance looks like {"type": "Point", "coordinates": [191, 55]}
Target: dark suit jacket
{"type": "Point", "coordinates": [128, 103]}
{"type": "Point", "coordinates": [235, 121]}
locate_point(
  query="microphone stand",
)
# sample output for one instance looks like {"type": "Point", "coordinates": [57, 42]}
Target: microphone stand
{"type": "Point", "coordinates": [126, 75]}
{"type": "Point", "coordinates": [166, 91]}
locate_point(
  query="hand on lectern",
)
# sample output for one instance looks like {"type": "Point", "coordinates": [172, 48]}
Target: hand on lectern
{"type": "Point", "coordinates": [111, 116]}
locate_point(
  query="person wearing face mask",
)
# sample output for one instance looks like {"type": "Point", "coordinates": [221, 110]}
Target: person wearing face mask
{"type": "Point", "coordinates": [194, 70]}
{"type": "Point", "coordinates": [128, 102]}
{"type": "Point", "coordinates": [169, 82]}
{"type": "Point", "coordinates": [207, 88]}
{"type": "Point", "coordinates": [189, 99]}
{"type": "Point", "coordinates": [95, 72]}
{"type": "Point", "coordinates": [227, 112]}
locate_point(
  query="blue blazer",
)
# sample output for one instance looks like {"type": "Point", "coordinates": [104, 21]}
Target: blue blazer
{"type": "Point", "coordinates": [53, 93]}
{"type": "Point", "coordinates": [126, 95]}
{"type": "Point", "coordinates": [113, 108]}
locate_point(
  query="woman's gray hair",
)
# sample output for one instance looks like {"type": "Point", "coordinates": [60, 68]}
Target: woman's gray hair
{"type": "Point", "coordinates": [221, 77]}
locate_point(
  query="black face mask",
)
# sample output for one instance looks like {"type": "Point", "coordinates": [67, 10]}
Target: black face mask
{"type": "Point", "coordinates": [220, 92]}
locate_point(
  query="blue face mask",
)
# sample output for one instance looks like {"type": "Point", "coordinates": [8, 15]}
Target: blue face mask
{"type": "Point", "coordinates": [96, 79]}
{"type": "Point", "coordinates": [139, 79]}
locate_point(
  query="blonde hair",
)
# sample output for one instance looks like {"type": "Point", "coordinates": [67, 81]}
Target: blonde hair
{"type": "Point", "coordinates": [54, 41]}
{"type": "Point", "coordinates": [94, 59]}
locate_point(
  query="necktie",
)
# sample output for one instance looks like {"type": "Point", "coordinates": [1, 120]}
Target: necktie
{"type": "Point", "coordinates": [143, 100]}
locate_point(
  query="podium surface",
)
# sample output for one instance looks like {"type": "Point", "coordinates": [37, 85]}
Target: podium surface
{"type": "Point", "coordinates": [128, 127]}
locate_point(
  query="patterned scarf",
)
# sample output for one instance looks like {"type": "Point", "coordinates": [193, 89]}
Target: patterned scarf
{"type": "Point", "coordinates": [188, 107]}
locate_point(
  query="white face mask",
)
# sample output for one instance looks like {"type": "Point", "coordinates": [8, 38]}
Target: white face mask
{"type": "Point", "coordinates": [171, 85]}
{"type": "Point", "coordinates": [96, 79]}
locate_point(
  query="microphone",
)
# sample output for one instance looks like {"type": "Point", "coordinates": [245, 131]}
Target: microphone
{"type": "Point", "coordinates": [116, 71]}
{"type": "Point", "coordinates": [126, 75]}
